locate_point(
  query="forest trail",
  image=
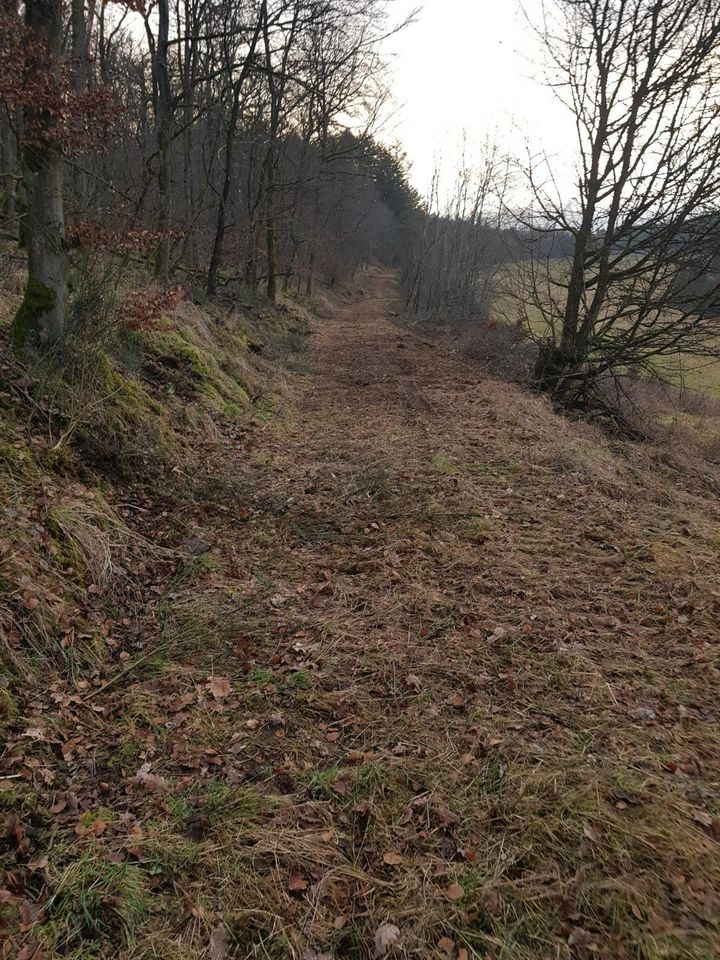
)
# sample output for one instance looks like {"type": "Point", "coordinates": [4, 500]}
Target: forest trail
{"type": "Point", "coordinates": [413, 667]}
{"type": "Point", "coordinates": [501, 630]}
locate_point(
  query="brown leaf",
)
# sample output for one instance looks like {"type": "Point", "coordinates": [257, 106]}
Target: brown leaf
{"type": "Point", "coordinates": [446, 817]}
{"type": "Point", "coordinates": [413, 682]}
{"type": "Point", "coordinates": [386, 936]}
{"type": "Point", "coordinates": [219, 687]}
{"type": "Point", "coordinates": [219, 943]}
{"type": "Point", "coordinates": [392, 859]}
{"type": "Point", "coordinates": [591, 834]}
{"type": "Point", "coordinates": [454, 892]}
{"type": "Point", "coordinates": [297, 884]}
{"type": "Point", "coordinates": [340, 921]}
{"type": "Point", "coordinates": [184, 701]}
{"type": "Point", "coordinates": [15, 831]}
{"type": "Point", "coordinates": [446, 945]}
{"type": "Point", "coordinates": [341, 786]}
{"type": "Point", "coordinates": [153, 782]}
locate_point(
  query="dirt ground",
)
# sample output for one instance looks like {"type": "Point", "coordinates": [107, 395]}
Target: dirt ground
{"type": "Point", "coordinates": [448, 688]}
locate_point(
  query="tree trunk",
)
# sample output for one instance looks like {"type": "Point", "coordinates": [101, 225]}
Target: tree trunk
{"type": "Point", "coordinates": [229, 170]}
{"type": "Point", "coordinates": [220, 224]}
{"type": "Point", "coordinates": [8, 169]}
{"type": "Point", "coordinates": [162, 126]}
{"type": "Point", "coordinates": [270, 229]}
{"type": "Point", "coordinates": [79, 83]}
{"type": "Point", "coordinates": [41, 315]}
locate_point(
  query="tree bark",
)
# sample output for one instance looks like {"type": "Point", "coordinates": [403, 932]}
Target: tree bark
{"type": "Point", "coordinates": [79, 83]}
{"type": "Point", "coordinates": [39, 321]}
{"type": "Point", "coordinates": [162, 126]}
{"type": "Point", "coordinates": [8, 168]}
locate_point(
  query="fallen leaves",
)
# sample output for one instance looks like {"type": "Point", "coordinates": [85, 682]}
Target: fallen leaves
{"type": "Point", "coordinates": [392, 859]}
{"type": "Point", "coordinates": [413, 683]}
{"type": "Point", "coordinates": [454, 892]}
{"type": "Point", "coordinates": [711, 824]}
{"type": "Point", "coordinates": [386, 938]}
{"type": "Point", "coordinates": [218, 687]}
{"type": "Point", "coordinates": [15, 832]}
{"type": "Point", "coordinates": [151, 781]}
{"type": "Point", "coordinates": [219, 943]}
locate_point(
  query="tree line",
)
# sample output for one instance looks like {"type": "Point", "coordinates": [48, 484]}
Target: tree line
{"type": "Point", "coordinates": [616, 264]}
{"type": "Point", "coordinates": [224, 142]}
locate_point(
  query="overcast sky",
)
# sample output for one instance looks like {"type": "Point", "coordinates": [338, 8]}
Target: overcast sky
{"type": "Point", "coordinates": [470, 65]}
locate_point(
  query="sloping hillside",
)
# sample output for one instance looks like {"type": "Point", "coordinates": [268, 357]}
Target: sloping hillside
{"type": "Point", "coordinates": [407, 665]}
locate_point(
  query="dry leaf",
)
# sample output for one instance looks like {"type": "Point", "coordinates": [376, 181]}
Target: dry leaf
{"type": "Point", "coordinates": [219, 943]}
{"type": "Point", "coordinates": [413, 682]}
{"type": "Point", "coordinates": [184, 701]}
{"type": "Point", "coordinates": [454, 892]}
{"type": "Point", "coordinates": [392, 859]}
{"type": "Point", "coordinates": [219, 687]}
{"type": "Point", "coordinates": [591, 834]}
{"type": "Point", "coordinates": [446, 945]}
{"type": "Point", "coordinates": [341, 786]}
{"type": "Point", "coordinates": [297, 884]}
{"type": "Point", "coordinates": [154, 782]}
{"type": "Point", "coordinates": [386, 936]}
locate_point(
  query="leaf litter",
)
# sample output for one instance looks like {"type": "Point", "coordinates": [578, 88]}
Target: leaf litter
{"type": "Point", "coordinates": [364, 728]}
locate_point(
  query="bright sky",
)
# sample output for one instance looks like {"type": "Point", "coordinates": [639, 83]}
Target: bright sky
{"type": "Point", "coordinates": [467, 65]}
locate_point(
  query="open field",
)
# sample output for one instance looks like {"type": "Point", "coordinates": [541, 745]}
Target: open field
{"type": "Point", "coordinates": [700, 374]}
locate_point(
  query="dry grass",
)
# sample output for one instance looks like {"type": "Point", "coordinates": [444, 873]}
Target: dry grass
{"type": "Point", "coordinates": [466, 643]}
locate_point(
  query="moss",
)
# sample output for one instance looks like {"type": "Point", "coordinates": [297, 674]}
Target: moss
{"type": "Point", "coordinates": [37, 301]}
{"type": "Point", "coordinates": [9, 917]}
{"type": "Point", "coordinates": [204, 371]}
{"type": "Point", "coordinates": [9, 455]}
{"type": "Point", "coordinates": [127, 751]}
{"type": "Point", "coordinates": [8, 707]}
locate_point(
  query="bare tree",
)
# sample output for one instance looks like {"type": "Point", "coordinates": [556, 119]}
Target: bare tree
{"type": "Point", "coordinates": [238, 74]}
{"type": "Point", "coordinates": [458, 250]}
{"type": "Point", "coordinates": [639, 77]}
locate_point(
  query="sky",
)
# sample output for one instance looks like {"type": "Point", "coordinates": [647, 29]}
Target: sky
{"type": "Point", "coordinates": [472, 66]}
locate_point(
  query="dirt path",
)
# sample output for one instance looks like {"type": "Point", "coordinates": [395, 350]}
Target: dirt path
{"type": "Point", "coordinates": [442, 683]}
{"type": "Point", "coordinates": [483, 673]}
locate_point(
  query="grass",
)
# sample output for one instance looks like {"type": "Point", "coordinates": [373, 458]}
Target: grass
{"type": "Point", "coordinates": [94, 901]}
{"type": "Point", "coordinates": [466, 643]}
{"type": "Point", "coordinates": [694, 373]}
